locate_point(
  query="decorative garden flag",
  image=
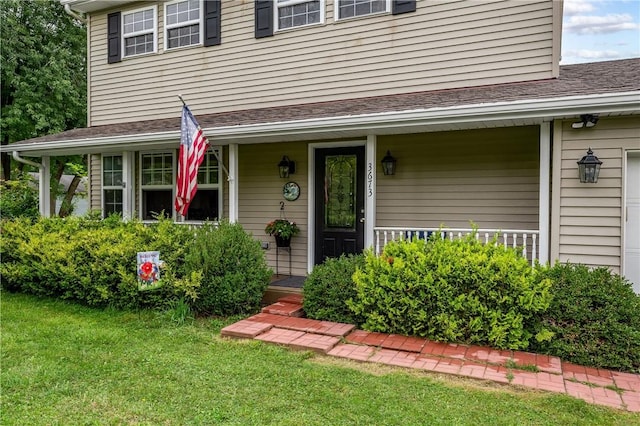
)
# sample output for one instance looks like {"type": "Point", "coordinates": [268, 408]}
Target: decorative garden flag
{"type": "Point", "coordinates": [148, 269]}
{"type": "Point", "coordinates": [193, 146]}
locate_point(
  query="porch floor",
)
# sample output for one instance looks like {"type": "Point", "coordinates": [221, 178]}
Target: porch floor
{"type": "Point", "coordinates": [292, 281]}
{"type": "Point", "coordinates": [283, 323]}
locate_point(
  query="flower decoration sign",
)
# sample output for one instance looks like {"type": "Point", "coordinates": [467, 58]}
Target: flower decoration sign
{"type": "Point", "coordinates": [148, 269]}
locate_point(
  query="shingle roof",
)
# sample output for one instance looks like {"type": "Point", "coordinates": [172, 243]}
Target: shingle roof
{"type": "Point", "coordinates": [574, 80]}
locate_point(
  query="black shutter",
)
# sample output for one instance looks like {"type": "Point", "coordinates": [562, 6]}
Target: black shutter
{"type": "Point", "coordinates": [403, 6]}
{"type": "Point", "coordinates": [212, 20]}
{"type": "Point", "coordinates": [264, 18]}
{"type": "Point", "coordinates": [113, 38]}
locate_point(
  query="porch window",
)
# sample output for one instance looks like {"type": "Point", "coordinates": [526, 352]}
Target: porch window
{"type": "Point", "coordinates": [354, 8]}
{"type": "Point", "coordinates": [139, 31]}
{"type": "Point", "coordinates": [111, 184]}
{"type": "Point", "coordinates": [182, 23]}
{"type": "Point", "coordinates": [298, 13]}
{"type": "Point", "coordinates": [157, 182]}
{"type": "Point", "coordinates": [207, 202]}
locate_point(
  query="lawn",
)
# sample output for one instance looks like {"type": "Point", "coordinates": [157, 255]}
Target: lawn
{"type": "Point", "coordinates": [67, 364]}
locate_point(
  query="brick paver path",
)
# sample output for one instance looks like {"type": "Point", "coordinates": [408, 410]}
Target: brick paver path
{"type": "Point", "coordinates": [282, 323]}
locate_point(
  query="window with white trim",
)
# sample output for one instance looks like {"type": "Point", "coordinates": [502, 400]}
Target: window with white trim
{"type": "Point", "coordinates": [139, 32]}
{"type": "Point", "coordinates": [157, 182]}
{"type": "Point", "coordinates": [353, 8]}
{"type": "Point", "coordinates": [111, 184]}
{"type": "Point", "coordinates": [182, 20]}
{"type": "Point", "coordinates": [207, 203]}
{"type": "Point", "coordinates": [298, 13]}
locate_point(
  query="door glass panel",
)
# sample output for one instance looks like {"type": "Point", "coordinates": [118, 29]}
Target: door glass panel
{"type": "Point", "coordinates": [340, 191]}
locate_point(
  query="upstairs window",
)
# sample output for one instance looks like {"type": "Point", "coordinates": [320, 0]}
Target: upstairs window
{"type": "Point", "coordinates": [139, 32]}
{"type": "Point", "coordinates": [273, 15]}
{"type": "Point", "coordinates": [353, 8]}
{"type": "Point", "coordinates": [298, 13]}
{"type": "Point", "coordinates": [182, 23]}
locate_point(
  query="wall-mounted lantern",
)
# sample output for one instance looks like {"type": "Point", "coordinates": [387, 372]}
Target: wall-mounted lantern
{"type": "Point", "coordinates": [286, 167]}
{"type": "Point", "coordinates": [389, 165]}
{"type": "Point", "coordinates": [589, 168]}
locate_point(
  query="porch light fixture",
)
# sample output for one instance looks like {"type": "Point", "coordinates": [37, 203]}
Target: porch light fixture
{"type": "Point", "coordinates": [286, 167]}
{"type": "Point", "coordinates": [589, 168]}
{"type": "Point", "coordinates": [389, 165]}
{"type": "Point", "coordinates": [586, 121]}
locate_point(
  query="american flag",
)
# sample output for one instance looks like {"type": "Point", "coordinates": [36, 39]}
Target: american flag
{"type": "Point", "coordinates": [193, 145]}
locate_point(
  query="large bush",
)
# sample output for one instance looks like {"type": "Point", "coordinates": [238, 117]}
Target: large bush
{"type": "Point", "coordinates": [457, 291]}
{"type": "Point", "coordinates": [19, 198]}
{"type": "Point", "coordinates": [329, 286]}
{"type": "Point", "coordinates": [595, 316]}
{"type": "Point", "coordinates": [90, 261]}
{"type": "Point", "coordinates": [234, 270]}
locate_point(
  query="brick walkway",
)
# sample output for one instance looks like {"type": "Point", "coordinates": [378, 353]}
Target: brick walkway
{"type": "Point", "coordinates": [282, 323]}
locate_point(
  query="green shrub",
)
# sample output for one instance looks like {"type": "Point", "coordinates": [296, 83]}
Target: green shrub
{"type": "Point", "coordinates": [329, 286]}
{"type": "Point", "coordinates": [19, 198]}
{"type": "Point", "coordinates": [90, 261]}
{"type": "Point", "coordinates": [595, 316]}
{"type": "Point", "coordinates": [457, 291]}
{"type": "Point", "coordinates": [234, 270]}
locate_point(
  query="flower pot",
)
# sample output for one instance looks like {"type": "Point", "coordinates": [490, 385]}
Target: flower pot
{"type": "Point", "coordinates": [282, 242]}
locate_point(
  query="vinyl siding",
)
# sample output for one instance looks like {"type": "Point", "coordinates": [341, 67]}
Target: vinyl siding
{"type": "Point", "coordinates": [489, 177]}
{"type": "Point", "coordinates": [587, 219]}
{"type": "Point", "coordinates": [444, 44]}
{"type": "Point", "coordinates": [260, 194]}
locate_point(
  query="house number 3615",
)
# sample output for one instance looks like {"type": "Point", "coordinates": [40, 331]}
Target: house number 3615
{"type": "Point", "coordinates": [369, 180]}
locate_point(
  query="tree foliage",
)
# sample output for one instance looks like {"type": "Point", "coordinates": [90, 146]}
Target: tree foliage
{"type": "Point", "coordinates": [43, 73]}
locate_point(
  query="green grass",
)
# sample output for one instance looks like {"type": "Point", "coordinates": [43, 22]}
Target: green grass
{"type": "Point", "coordinates": [66, 364]}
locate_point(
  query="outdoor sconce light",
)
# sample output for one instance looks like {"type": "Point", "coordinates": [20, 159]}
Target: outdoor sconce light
{"type": "Point", "coordinates": [389, 164]}
{"type": "Point", "coordinates": [589, 168]}
{"type": "Point", "coordinates": [586, 121]}
{"type": "Point", "coordinates": [286, 167]}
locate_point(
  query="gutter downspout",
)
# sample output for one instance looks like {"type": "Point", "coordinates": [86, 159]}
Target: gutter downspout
{"type": "Point", "coordinates": [73, 14]}
{"type": "Point", "coordinates": [44, 182]}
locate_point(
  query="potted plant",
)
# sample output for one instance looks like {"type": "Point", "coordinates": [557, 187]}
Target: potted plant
{"type": "Point", "coordinates": [282, 230]}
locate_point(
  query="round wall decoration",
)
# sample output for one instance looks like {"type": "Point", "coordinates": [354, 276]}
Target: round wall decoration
{"type": "Point", "coordinates": [291, 191]}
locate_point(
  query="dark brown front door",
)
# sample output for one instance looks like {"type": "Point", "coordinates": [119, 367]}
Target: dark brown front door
{"type": "Point", "coordinates": [339, 212]}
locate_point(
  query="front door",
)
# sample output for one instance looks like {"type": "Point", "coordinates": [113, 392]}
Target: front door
{"type": "Point", "coordinates": [339, 204]}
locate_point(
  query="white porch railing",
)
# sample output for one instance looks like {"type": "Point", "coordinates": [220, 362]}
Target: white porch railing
{"type": "Point", "coordinates": [526, 240]}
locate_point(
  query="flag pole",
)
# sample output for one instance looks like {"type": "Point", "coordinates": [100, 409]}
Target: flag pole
{"type": "Point", "coordinates": [215, 153]}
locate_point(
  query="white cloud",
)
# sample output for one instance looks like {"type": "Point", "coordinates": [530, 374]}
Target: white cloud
{"type": "Point", "coordinates": [592, 54]}
{"type": "Point", "coordinates": [575, 7]}
{"type": "Point", "coordinates": [608, 24]}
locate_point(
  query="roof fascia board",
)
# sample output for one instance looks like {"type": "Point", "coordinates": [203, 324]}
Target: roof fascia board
{"type": "Point", "coordinates": [88, 6]}
{"type": "Point", "coordinates": [539, 110]}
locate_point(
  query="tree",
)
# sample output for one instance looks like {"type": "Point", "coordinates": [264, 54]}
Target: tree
{"type": "Point", "coordinates": [43, 74]}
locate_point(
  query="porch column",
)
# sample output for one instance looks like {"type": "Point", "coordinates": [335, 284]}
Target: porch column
{"type": "Point", "coordinates": [233, 182]}
{"type": "Point", "coordinates": [45, 187]}
{"type": "Point", "coordinates": [370, 191]}
{"type": "Point", "coordinates": [128, 185]}
{"type": "Point", "coordinates": [544, 192]}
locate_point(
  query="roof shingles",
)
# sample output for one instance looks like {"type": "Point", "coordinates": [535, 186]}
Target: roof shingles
{"type": "Point", "coordinates": [574, 80]}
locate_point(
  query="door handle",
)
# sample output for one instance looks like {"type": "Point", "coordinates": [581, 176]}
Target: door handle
{"type": "Point", "coordinates": [362, 220]}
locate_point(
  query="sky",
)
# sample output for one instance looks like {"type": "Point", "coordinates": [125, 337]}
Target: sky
{"type": "Point", "coordinates": [600, 30]}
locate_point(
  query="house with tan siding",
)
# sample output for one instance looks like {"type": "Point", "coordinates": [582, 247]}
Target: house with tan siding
{"type": "Point", "coordinates": [468, 98]}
